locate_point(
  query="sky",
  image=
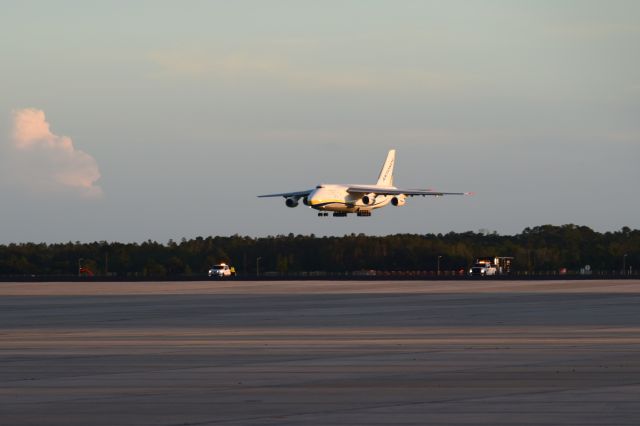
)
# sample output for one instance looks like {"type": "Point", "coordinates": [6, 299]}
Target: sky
{"type": "Point", "coordinates": [129, 121]}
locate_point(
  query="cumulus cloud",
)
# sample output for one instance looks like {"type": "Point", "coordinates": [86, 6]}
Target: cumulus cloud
{"type": "Point", "coordinates": [42, 161]}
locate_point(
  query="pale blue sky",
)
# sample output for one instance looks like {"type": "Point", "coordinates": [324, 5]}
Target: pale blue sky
{"type": "Point", "coordinates": [189, 109]}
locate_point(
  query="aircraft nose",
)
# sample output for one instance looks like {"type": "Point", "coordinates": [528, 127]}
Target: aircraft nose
{"type": "Point", "coordinates": [312, 199]}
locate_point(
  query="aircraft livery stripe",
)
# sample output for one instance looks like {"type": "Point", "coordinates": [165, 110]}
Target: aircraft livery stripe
{"type": "Point", "coordinates": [345, 204]}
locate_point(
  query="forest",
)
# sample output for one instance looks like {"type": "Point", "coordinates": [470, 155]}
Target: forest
{"type": "Point", "coordinates": [541, 249]}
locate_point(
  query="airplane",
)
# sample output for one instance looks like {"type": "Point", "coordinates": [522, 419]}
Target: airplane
{"type": "Point", "coordinates": [342, 199]}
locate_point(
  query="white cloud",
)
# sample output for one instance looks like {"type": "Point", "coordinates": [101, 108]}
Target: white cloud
{"type": "Point", "coordinates": [591, 31]}
{"type": "Point", "coordinates": [268, 69]}
{"type": "Point", "coordinates": [41, 161]}
{"type": "Point", "coordinates": [262, 69]}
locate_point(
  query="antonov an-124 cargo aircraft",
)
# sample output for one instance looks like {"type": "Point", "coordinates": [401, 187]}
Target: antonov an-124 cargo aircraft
{"type": "Point", "coordinates": [342, 199]}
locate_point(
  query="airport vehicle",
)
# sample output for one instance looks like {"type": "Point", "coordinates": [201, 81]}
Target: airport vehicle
{"type": "Point", "coordinates": [488, 266]}
{"type": "Point", "coordinates": [483, 268]}
{"type": "Point", "coordinates": [342, 199]}
{"type": "Point", "coordinates": [222, 270]}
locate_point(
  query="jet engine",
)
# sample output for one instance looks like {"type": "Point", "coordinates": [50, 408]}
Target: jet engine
{"type": "Point", "coordinates": [291, 202]}
{"type": "Point", "coordinates": [399, 200]}
{"type": "Point", "coordinates": [305, 201]}
{"type": "Point", "coordinates": [368, 199]}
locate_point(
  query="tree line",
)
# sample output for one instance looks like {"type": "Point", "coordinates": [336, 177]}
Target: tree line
{"type": "Point", "coordinates": [541, 248]}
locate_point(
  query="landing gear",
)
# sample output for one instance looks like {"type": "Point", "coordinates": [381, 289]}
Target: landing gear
{"type": "Point", "coordinates": [339, 214]}
{"type": "Point", "coordinates": [323, 214]}
{"type": "Point", "coordinates": [364, 213]}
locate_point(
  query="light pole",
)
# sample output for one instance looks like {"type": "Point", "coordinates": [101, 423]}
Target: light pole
{"type": "Point", "coordinates": [439, 257]}
{"type": "Point", "coordinates": [624, 264]}
{"type": "Point", "coordinates": [258, 266]}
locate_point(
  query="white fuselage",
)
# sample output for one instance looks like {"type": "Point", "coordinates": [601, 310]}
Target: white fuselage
{"type": "Point", "coordinates": [335, 198]}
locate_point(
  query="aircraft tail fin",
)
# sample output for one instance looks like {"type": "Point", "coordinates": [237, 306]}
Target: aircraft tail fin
{"type": "Point", "coordinates": [386, 174]}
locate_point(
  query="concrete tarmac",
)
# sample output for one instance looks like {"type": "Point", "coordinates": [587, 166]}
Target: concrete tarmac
{"type": "Point", "coordinates": [320, 353]}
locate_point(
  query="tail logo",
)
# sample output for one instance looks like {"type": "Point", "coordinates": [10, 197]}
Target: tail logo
{"type": "Point", "coordinates": [386, 173]}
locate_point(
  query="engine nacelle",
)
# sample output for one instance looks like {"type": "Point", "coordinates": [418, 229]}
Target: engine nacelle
{"type": "Point", "coordinates": [399, 200]}
{"type": "Point", "coordinates": [368, 199]}
{"type": "Point", "coordinates": [305, 201]}
{"type": "Point", "coordinates": [291, 202]}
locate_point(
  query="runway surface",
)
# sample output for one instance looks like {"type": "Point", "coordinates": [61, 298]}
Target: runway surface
{"type": "Point", "coordinates": [320, 353]}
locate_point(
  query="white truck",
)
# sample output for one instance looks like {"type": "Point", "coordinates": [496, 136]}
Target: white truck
{"type": "Point", "coordinates": [483, 268]}
{"type": "Point", "coordinates": [222, 270]}
{"type": "Point", "coordinates": [488, 266]}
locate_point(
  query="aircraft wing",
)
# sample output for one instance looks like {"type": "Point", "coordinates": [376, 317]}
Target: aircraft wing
{"type": "Point", "coordinates": [288, 194]}
{"type": "Point", "coordinates": [366, 189]}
